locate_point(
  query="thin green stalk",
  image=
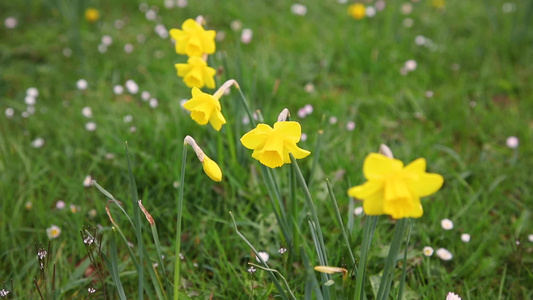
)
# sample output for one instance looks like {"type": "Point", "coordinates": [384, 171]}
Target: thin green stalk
{"type": "Point", "coordinates": [178, 224]}
{"type": "Point", "coordinates": [285, 283]}
{"type": "Point", "coordinates": [112, 265]}
{"type": "Point", "coordinates": [137, 222]}
{"type": "Point", "coordinates": [316, 153]}
{"type": "Point", "coordinates": [319, 251]}
{"type": "Point", "coordinates": [368, 234]}
{"type": "Point", "coordinates": [404, 268]}
{"type": "Point", "coordinates": [390, 263]}
{"type": "Point", "coordinates": [339, 220]}
{"type": "Point", "coordinates": [293, 214]}
{"type": "Point", "coordinates": [247, 108]}
{"type": "Point", "coordinates": [274, 278]}
{"type": "Point", "coordinates": [278, 212]}
{"type": "Point", "coordinates": [155, 235]}
{"type": "Point", "coordinates": [311, 278]}
{"type": "Point", "coordinates": [502, 282]}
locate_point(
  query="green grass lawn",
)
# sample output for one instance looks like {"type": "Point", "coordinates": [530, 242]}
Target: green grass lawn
{"type": "Point", "coordinates": [471, 90]}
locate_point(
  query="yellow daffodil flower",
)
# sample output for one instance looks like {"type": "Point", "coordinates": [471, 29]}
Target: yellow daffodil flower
{"type": "Point", "coordinates": [205, 108]}
{"type": "Point", "coordinates": [192, 39]}
{"type": "Point", "coordinates": [272, 145]}
{"type": "Point", "coordinates": [393, 189]}
{"type": "Point", "coordinates": [196, 73]}
{"type": "Point", "coordinates": [92, 15]}
{"type": "Point", "coordinates": [357, 11]}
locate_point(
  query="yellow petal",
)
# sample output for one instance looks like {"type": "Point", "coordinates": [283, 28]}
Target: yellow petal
{"type": "Point", "coordinates": [404, 208]}
{"type": "Point", "coordinates": [196, 92]}
{"type": "Point", "coordinates": [418, 165]}
{"type": "Point", "coordinates": [212, 169]}
{"type": "Point", "coordinates": [193, 79]}
{"type": "Point", "coordinates": [190, 25]}
{"type": "Point", "coordinates": [182, 69]}
{"type": "Point", "coordinates": [200, 117]}
{"type": "Point", "coordinates": [291, 147]}
{"type": "Point", "coordinates": [217, 120]}
{"type": "Point", "coordinates": [290, 129]}
{"type": "Point", "coordinates": [208, 41]}
{"type": "Point", "coordinates": [271, 158]}
{"type": "Point", "coordinates": [365, 190]}
{"type": "Point", "coordinates": [377, 165]}
{"type": "Point", "coordinates": [257, 137]}
{"type": "Point", "coordinates": [396, 188]}
{"type": "Point", "coordinates": [194, 46]}
{"type": "Point", "coordinates": [373, 205]}
{"type": "Point", "coordinates": [209, 79]}
{"type": "Point", "coordinates": [427, 184]}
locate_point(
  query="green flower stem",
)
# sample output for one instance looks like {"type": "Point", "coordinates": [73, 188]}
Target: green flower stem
{"type": "Point", "coordinates": [390, 263]}
{"type": "Point", "coordinates": [247, 108]}
{"type": "Point", "coordinates": [339, 220]}
{"type": "Point", "coordinates": [178, 224]}
{"type": "Point", "coordinates": [278, 212]}
{"type": "Point", "coordinates": [368, 234]}
{"type": "Point", "coordinates": [404, 268]}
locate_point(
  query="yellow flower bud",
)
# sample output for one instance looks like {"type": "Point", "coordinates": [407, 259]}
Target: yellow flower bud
{"type": "Point", "coordinates": [92, 15]}
{"type": "Point", "coordinates": [212, 169]}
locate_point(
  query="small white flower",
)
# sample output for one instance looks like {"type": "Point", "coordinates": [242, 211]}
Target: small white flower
{"type": "Point", "coordinates": [10, 22]}
{"type": "Point", "coordinates": [452, 296]}
{"type": "Point", "coordinates": [90, 126]}
{"type": "Point", "coordinates": [145, 96]}
{"type": "Point", "coordinates": [67, 52]}
{"type": "Point", "coordinates": [169, 4]}
{"type": "Point", "coordinates": [143, 7]}
{"type": "Point", "coordinates": [119, 24]}
{"type": "Point", "coordinates": [299, 9]}
{"type": "Point", "coordinates": [181, 256]}
{"type": "Point", "coordinates": [512, 142]}
{"type": "Point", "coordinates": [221, 35]}
{"type": "Point", "coordinates": [133, 129]}
{"type": "Point", "coordinates": [427, 251]}
{"type": "Point", "coordinates": [107, 40]}
{"type": "Point", "coordinates": [282, 250]}
{"type": "Point", "coordinates": [235, 25]}
{"type": "Point", "coordinates": [87, 112]}
{"type": "Point", "coordinates": [53, 232]}
{"type": "Point", "coordinates": [446, 224]}
{"type": "Point", "coordinates": [444, 254]}
{"type": "Point", "coordinates": [37, 143]}
{"type": "Point", "coordinates": [408, 22]}
{"type": "Point", "coordinates": [407, 8]}
{"type": "Point", "coordinates": [88, 181]}
{"type": "Point", "coordinates": [91, 290]}
{"type": "Point", "coordinates": [420, 40]}
{"type": "Point", "coordinates": [10, 112]}
{"type": "Point", "coordinates": [342, 1]}
{"type": "Point", "coordinates": [24, 114]}
{"type": "Point", "coordinates": [308, 108]}
{"type": "Point", "coordinates": [429, 94]}
{"type": "Point", "coordinates": [118, 89]}
{"type": "Point", "coordinates": [41, 254]}
{"type": "Point", "coordinates": [410, 65]}
{"type": "Point", "coordinates": [161, 30]}
{"type": "Point", "coordinates": [132, 87]}
{"type": "Point", "coordinates": [370, 11]}
{"type": "Point", "coordinates": [28, 205]}
{"type": "Point", "coordinates": [60, 204]}
{"type": "Point", "coordinates": [508, 7]}
{"type": "Point", "coordinates": [128, 118]}
{"type": "Point", "coordinates": [30, 100]}
{"type": "Point", "coordinates": [530, 238]}
{"type": "Point", "coordinates": [181, 3]}
{"type": "Point", "coordinates": [350, 126]}
{"type": "Point", "coordinates": [33, 92]}
{"type": "Point", "coordinates": [246, 36]}
{"type": "Point", "coordinates": [102, 48]}
{"type": "Point", "coordinates": [380, 5]}
{"type": "Point", "coordinates": [74, 208]}
{"type": "Point", "coordinates": [301, 113]}
{"type": "Point", "coordinates": [150, 15]}
{"type": "Point", "coordinates": [154, 103]}
{"type": "Point", "coordinates": [4, 292]}
{"type": "Point", "coordinates": [82, 84]}
{"type": "Point", "coordinates": [309, 87]}
{"type": "Point", "coordinates": [88, 240]}
{"type": "Point", "coordinates": [333, 120]}
{"type": "Point", "coordinates": [128, 48]}
{"type": "Point", "coordinates": [303, 137]}
{"type": "Point", "coordinates": [358, 211]}
{"type": "Point", "coordinates": [465, 237]}
{"type": "Point", "coordinates": [245, 120]}
{"type": "Point", "coordinates": [252, 270]}
{"type": "Point", "coordinates": [92, 213]}
{"type": "Point", "coordinates": [263, 256]}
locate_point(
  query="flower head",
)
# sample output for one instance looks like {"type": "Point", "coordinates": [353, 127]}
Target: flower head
{"type": "Point", "coordinates": [452, 296]}
{"type": "Point", "coordinates": [444, 254]}
{"type": "Point", "coordinates": [205, 108]}
{"type": "Point", "coordinates": [92, 15]}
{"type": "Point", "coordinates": [196, 73]}
{"type": "Point", "coordinates": [427, 251]}
{"type": "Point", "coordinates": [393, 189]}
{"type": "Point", "coordinates": [357, 11]}
{"type": "Point", "coordinates": [211, 168]}
{"type": "Point", "coordinates": [192, 39]}
{"type": "Point", "coordinates": [272, 145]}
{"type": "Point", "coordinates": [53, 232]}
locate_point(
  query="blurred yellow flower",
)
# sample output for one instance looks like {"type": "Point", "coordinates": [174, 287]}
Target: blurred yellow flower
{"type": "Point", "coordinates": [272, 145]}
{"type": "Point", "coordinates": [196, 73]}
{"type": "Point", "coordinates": [92, 15]}
{"type": "Point", "coordinates": [393, 189]}
{"type": "Point", "coordinates": [438, 3]}
{"type": "Point", "coordinates": [212, 169]}
{"type": "Point", "coordinates": [357, 11]}
{"type": "Point", "coordinates": [205, 108]}
{"type": "Point", "coordinates": [193, 39]}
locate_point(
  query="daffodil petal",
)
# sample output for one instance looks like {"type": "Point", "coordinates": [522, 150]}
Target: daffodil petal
{"type": "Point", "coordinates": [418, 165]}
{"type": "Point", "coordinates": [373, 205]}
{"type": "Point", "coordinates": [377, 165]}
{"type": "Point", "coordinates": [365, 190]}
{"type": "Point", "coordinates": [190, 25]}
{"type": "Point", "coordinates": [291, 147]}
{"type": "Point", "coordinates": [271, 158]}
{"type": "Point", "coordinates": [427, 184]}
{"type": "Point", "coordinates": [257, 137]}
{"type": "Point", "coordinates": [290, 129]}
{"type": "Point", "coordinates": [217, 120]}
{"type": "Point", "coordinates": [212, 169]}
